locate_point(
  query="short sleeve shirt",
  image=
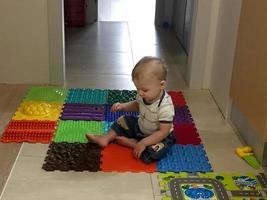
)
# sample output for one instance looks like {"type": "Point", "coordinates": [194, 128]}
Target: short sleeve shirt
{"type": "Point", "coordinates": [161, 111]}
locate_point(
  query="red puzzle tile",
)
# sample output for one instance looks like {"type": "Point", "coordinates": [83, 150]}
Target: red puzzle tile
{"type": "Point", "coordinates": [186, 134]}
{"type": "Point", "coordinates": [120, 159]}
{"type": "Point", "coordinates": [27, 136]}
{"type": "Point", "coordinates": [31, 125]}
{"type": "Point", "coordinates": [29, 131]}
{"type": "Point", "coordinates": [177, 98]}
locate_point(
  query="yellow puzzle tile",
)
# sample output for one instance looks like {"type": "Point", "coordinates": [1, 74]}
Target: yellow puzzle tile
{"type": "Point", "coordinates": [33, 110]}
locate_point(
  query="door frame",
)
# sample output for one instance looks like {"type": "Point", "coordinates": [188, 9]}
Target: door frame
{"type": "Point", "coordinates": [56, 40]}
{"type": "Point", "coordinates": [198, 72]}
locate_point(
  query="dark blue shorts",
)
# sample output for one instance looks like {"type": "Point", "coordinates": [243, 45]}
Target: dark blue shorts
{"type": "Point", "coordinates": [127, 126]}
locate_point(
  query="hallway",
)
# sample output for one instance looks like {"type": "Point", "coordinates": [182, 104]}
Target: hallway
{"type": "Point", "coordinates": [103, 55]}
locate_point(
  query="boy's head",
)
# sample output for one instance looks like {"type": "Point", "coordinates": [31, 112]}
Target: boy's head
{"type": "Point", "coordinates": [149, 76]}
{"type": "Point", "coordinates": [154, 66]}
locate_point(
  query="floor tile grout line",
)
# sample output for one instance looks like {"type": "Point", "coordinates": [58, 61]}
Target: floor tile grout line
{"type": "Point", "coordinates": [152, 186]}
{"type": "Point", "coordinates": [11, 171]}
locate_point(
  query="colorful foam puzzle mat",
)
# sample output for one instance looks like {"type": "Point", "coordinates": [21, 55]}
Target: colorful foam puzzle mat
{"type": "Point", "coordinates": [46, 94]}
{"type": "Point", "coordinates": [63, 117]}
{"type": "Point", "coordinates": [213, 186]}
{"type": "Point", "coordinates": [29, 131]}
{"type": "Point", "coordinates": [186, 134]}
{"type": "Point", "coordinates": [187, 158]}
{"type": "Point", "coordinates": [112, 116]}
{"type": "Point", "coordinates": [177, 98]}
{"type": "Point", "coordinates": [87, 96]}
{"type": "Point", "coordinates": [77, 111]}
{"type": "Point", "coordinates": [75, 131]}
{"type": "Point", "coordinates": [121, 159]}
{"type": "Point", "coordinates": [182, 115]}
{"type": "Point", "coordinates": [75, 156]}
{"type": "Point", "coordinates": [34, 110]}
{"type": "Point", "coordinates": [121, 96]}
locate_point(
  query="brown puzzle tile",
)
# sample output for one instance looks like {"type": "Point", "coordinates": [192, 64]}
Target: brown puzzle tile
{"type": "Point", "coordinates": [75, 156]}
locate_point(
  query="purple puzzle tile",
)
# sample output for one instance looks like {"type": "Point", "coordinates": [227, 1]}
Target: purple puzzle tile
{"type": "Point", "coordinates": [72, 111]}
{"type": "Point", "coordinates": [182, 116]}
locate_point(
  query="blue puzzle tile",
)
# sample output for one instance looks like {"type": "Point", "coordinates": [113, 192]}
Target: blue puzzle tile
{"type": "Point", "coordinates": [107, 126]}
{"type": "Point", "coordinates": [113, 116]}
{"type": "Point", "coordinates": [185, 158]}
{"type": "Point", "coordinates": [87, 96]}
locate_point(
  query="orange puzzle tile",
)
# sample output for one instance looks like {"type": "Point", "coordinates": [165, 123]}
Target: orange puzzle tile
{"type": "Point", "coordinates": [116, 158]}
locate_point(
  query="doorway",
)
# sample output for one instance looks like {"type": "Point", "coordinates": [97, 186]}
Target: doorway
{"type": "Point", "coordinates": [102, 54]}
{"type": "Point", "coordinates": [127, 10]}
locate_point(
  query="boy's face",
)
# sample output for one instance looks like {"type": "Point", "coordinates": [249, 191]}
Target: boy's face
{"type": "Point", "coordinates": [149, 88]}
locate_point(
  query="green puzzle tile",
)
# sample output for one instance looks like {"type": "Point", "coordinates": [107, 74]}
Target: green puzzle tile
{"type": "Point", "coordinates": [75, 131]}
{"type": "Point", "coordinates": [234, 181]}
{"type": "Point", "coordinates": [121, 96]}
{"type": "Point", "coordinates": [247, 176]}
{"type": "Point", "coordinates": [206, 175]}
{"type": "Point", "coordinates": [248, 198]}
{"type": "Point", "coordinates": [166, 198]}
{"type": "Point", "coordinates": [50, 94]}
{"type": "Point", "coordinates": [164, 179]}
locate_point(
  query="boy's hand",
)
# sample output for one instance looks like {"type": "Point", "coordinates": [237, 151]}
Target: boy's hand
{"type": "Point", "coordinates": [138, 149]}
{"type": "Point", "coordinates": [116, 107]}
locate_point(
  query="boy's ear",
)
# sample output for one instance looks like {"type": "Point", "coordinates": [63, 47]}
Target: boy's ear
{"type": "Point", "coordinates": [162, 84]}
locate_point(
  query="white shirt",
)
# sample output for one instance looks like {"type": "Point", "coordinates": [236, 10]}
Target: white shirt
{"type": "Point", "coordinates": [161, 111]}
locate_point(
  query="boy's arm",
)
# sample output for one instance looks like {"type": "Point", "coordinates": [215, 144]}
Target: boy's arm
{"type": "Point", "coordinates": [158, 136]}
{"type": "Point", "coordinates": [131, 106]}
{"type": "Point", "coordinates": [154, 138]}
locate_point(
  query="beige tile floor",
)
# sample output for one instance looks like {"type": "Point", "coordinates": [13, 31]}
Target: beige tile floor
{"type": "Point", "coordinates": [102, 56]}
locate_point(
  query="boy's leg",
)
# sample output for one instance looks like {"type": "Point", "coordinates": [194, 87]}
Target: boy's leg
{"type": "Point", "coordinates": [123, 130]}
{"type": "Point", "coordinates": [102, 140]}
{"type": "Point", "coordinates": [124, 141]}
{"type": "Point", "coordinates": [126, 128]}
{"type": "Point", "coordinates": [157, 151]}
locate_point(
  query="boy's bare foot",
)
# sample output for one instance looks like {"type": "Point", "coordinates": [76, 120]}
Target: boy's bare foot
{"type": "Point", "coordinates": [100, 140]}
{"type": "Point", "coordinates": [128, 142]}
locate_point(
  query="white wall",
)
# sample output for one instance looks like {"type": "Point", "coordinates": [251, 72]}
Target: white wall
{"type": "Point", "coordinates": [24, 41]}
{"type": "Point", "coordinates": [56, 42]}
{"type": "Point", "coordinates": [199, 44]}
{"type": "Point", "coordinates": [224, 51]}
{"type": "Point", "coordinates": [30, 51]}
{"type": "Point", "coordinates": [213, 47]}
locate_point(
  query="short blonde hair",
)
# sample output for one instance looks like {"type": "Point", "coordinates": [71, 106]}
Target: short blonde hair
{"type": "Point", "coordinates": [158, 67]}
